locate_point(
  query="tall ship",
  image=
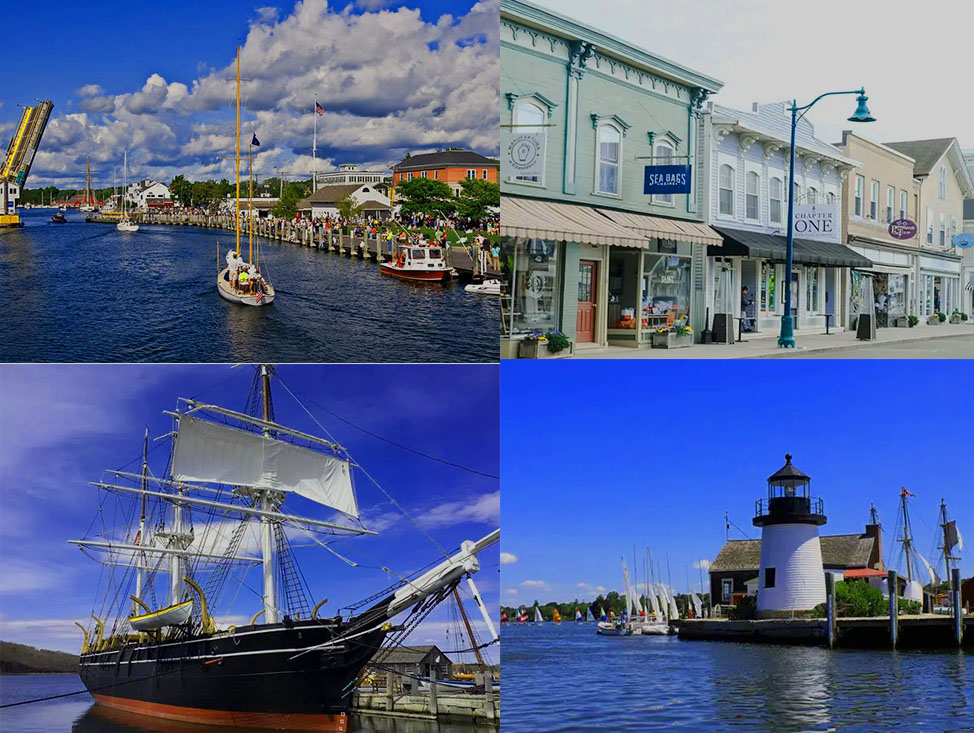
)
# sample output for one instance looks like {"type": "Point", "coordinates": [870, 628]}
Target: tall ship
{"type": "Point", "coordinates": [154, 646]}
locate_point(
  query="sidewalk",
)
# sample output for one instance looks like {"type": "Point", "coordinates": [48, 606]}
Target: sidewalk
{"type": "Point", "coordinates": [766, 346]}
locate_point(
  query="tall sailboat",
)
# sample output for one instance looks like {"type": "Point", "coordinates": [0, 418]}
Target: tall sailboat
{"type": "Point", "coordinates": [89, 201]}
{"type": "Point", "coordinates": [124, 223]}
{"type": "Point", "coordinates": [156, 647]}
{"type": "Point", "coordinates": [243, 281]}
{"type": "Point", "coordinates": [951, 542]}
{"type": "Point", "coordinates": [912, 556]}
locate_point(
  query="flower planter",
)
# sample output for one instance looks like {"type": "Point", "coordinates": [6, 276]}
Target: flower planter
{"type": "Point", "coordinates": [933, 321]}
{"type": "Point", "coordinates": [955, 320]}
{"type": "Point", "coordinates": [672, 340]}
{"type": "Point", "coordinates": [539, 350]}
{"type": "Point", "coordinates": [901, 322]}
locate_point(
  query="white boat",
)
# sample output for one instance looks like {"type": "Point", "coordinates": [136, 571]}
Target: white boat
{"type": "Point", "coordinates": [538, 618]}
{"type": "Point", "coordinates": [241, 281]}
{"type": "Point", "coordinates": [171, 616]}
{"type": "Point", "coordinates": [487, 287]}
{"type": "Point", "coordinates": [124, 223]}
{"type": "Point", "coordinates": [421, 262]}
{"type": "Point", "coordinates": [613, 628]}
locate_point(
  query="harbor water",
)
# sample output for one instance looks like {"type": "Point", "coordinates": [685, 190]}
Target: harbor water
{"type": "Point", "coordinates": [566, 678]}
{"type": "Point", "coordinates": [78, 713]}
{"type": "Point", "coordinates": [85, 292]}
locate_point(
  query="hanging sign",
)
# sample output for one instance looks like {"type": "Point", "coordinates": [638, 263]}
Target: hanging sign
{"type": "Point", "coordinates": [963, 240]}
{"type": "Point", "coordinates": [666, 179]}
{"type": "Point", "coordinates": [818, 221]}
{"type": "Point", "coordinates": [525, 154]}
{"type": "Point", "coordinates": [902, 229]}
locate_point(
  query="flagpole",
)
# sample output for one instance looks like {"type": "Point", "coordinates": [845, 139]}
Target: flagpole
{"type": "Point", "coordinates": [250, 199]}
{"type": "Point", "coordinates": [314, 150]}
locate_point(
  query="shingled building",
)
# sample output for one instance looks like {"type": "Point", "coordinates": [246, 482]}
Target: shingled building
{"type": "Point", "coordinates": [739, 561]}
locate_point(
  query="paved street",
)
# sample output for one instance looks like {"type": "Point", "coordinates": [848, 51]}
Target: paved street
{"type": "Point", "coordinates": [961, 347]}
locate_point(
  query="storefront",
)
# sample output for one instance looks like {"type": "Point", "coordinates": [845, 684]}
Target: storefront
{"type": "Point", "coordinates": [756, 261]}
{"type": "Point", "coordinates": [939, 288]}
{"type": "Point", "coordinates": [887, 286]}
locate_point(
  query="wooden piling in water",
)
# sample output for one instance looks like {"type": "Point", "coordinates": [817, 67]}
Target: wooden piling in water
{"type": "Point", "coordinates": [958, 610]}
{"type": "Point", "coordinates": [894, 608]}
{"type": "Point", "coordinates": [389, 698]}
{"type": "Point", "coordinates": [830, 607]}
{"type": "Point", "coordinates": [434, 708]}
{"type": "Point", "coordinates": [488, 679]}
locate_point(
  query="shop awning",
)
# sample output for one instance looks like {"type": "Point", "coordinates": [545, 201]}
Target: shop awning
{"type": "Point", "coordinates": [775, 248]}
{"type": "Point", "coordinates": [657, 226]}
{"type": "Point", "coordinates": [536, 219]}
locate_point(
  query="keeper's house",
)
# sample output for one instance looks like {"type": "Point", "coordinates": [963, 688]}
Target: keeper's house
{"type": "Point", "coordinates": [419, 661]}
{"type": "Point", "coordinates": [847, 556]}
{"type": "Point", "coordinates": [589, 123]}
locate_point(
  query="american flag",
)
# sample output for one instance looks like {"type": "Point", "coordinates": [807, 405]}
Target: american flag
{"type": "Point", "coordinates": [318, 108]}
{"type": "Point", "coordinates": [260, 294]}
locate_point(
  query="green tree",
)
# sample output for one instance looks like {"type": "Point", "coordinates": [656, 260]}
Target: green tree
{"type": "Point", "coordinates": [426, 196]}
{"type": "Point", "coordinates": [181, 190]}
{"type": "Point", "coordinates": [287, 206]}
{"type": "Point", "coordinates": [348, 207]}
{"type": "Point", "coordinates": [476, 196]}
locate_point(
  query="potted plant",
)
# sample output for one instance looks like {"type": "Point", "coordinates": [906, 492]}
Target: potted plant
{"type": "Point", "coordinates": [933, 319]}
{"type": "Point", "coordinates": [957, 317]}
{"type": "Point", "coordinates": [901, 322]}
{"type": "Point", "coordinates": [912, 320]}
{"type": "Point", "coordinates": [559, 345]}
{"type": "Point", "coordinates": [942, 317]}
{"type": "Point", "coordinates": [676, 336]}
{"type": "Point", "coordinates": [540, 345]}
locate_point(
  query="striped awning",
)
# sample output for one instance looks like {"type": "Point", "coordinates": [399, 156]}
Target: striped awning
{"type": "Point", "coordinates": [536, 219]}
{"type": "Point", "coordinates": [657, 226]}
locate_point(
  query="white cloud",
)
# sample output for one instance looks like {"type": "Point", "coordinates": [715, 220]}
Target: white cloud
{"type": "Point", "coordinates": [536, 584]}
{"type": "Point", "coordinates": [485, 509]}
{"type": "Point", "coordinates": [24, 576]}
{"type": "Point", "coordinates": [436, 86]}
{"type": "Point", "coordinates": [508, 558]}
{"type": "Point", "coordinates": [702, 564]}
{"type": "Point", "coordinates": [511, 591]}
{"type": "Point", "coordinates": [600, 588]}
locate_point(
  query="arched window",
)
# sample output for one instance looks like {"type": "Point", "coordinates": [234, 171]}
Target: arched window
{"type": "Point", "coordinates": [812, 195]}
{"type": "Point", "coordinates": [529, 118]}
{"type": "Point", "coordinates": [663, 155]}
{"type": "Point", "coordinates": [725, 185]}
{"type": "Point", "coordinates": [797, 192]}
{"type": "Point", "coordinates": [610, 142]}
{"type": "Point", "coordinates": [830, 198]}
{"type": "Point", "coordinates": [776, 193]}
{"type": "Point", "coordinates": [752, 207]}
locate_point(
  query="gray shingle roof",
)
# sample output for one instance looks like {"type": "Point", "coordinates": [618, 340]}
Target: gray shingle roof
{"type": "Point", "coordinates": [840, 550]}
{"type": "Point", "coordinates": [411, 654]}
{"type": "Point", "coordinates": [926, 153]}
{"type": "Point", "coordinates": [445, 158]}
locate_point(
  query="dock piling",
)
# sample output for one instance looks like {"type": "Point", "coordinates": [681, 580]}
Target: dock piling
{"type": "Point", "coordinates": [894, 609]}
{"type": "Point", "coordinates": [958, 611]}
{"type": "Point", "coordinates": [434, 707]}
{"type": "Point", "coordinates": [389, 698]}
{"type": "Point", "coordinates": [830, 607]}
{"type": "Point", "coordinates": [488, 679]}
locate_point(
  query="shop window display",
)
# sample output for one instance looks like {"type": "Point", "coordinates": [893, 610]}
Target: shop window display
{"type": "Point", "coordinates": [665, 289]}
{"type": "Point", "coordinates": [767, 286]}
{"type": "Point", "coordinates": [536, 286]}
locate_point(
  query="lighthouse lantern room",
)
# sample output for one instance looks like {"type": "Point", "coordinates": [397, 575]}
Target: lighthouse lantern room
{"type": "Point", "coordinates": [792, 577]}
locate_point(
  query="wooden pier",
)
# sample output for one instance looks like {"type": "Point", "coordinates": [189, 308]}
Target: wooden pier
{"type": "Point", "coordinates": [391, 697]}
{"type": "Point", "coordinates": [373, 249]}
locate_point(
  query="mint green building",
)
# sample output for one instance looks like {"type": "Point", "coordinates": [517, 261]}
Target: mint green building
{"type": "Point", "coordinates": [582, 116]}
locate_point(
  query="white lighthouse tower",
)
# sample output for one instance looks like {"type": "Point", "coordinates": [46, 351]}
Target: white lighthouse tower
{"type": "Point", "coordinates": [792, 576]}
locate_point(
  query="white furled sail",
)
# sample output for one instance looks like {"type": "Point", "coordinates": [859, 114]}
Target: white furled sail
{"type": "Point", "coordinates": [697, 605]}
{"type": "Point", "coordinates": [209, 452]}
{"type": "Point", "coordinates": [913, 591]}
{"type": "Point", "coordinates": [933, 576]}
{"type": "Point", "coordinates": [654, 604]}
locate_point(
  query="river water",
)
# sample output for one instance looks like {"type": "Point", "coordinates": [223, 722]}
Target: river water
{"type": "Point", "coordinates": [566, 678]}
{"type": "Point", "coordinates": [85, 292]}
{"type": "Point", "coordinates": [79, 713]}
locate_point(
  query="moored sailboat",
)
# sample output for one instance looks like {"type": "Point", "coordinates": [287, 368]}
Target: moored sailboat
{"type": "Point", "coordinates": [294, 668]}
{"type": "Point", "coordinates": [124, 223]}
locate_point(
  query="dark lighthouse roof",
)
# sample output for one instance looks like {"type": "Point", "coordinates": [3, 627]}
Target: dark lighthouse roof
{"type": "Point", "coordinates": [788, 499]}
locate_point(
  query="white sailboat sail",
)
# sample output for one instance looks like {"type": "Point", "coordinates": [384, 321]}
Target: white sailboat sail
{"type": "Point", "coordinates": [538, 618]}
{"type": "Point", "coordinates": [663, 602]}
{"type": "Point", "coordinates": [960, 539]}
{"type": "Point", "coordinates": [697, 605]}
{"type": "Point", "coordinates": [209, 452]}
{"type": "Point", "coordinates": [630, 601]}
{"type": "Point", "coordinates": [934, 579]}
{"type": "Point", "coordinates": [655, 604]}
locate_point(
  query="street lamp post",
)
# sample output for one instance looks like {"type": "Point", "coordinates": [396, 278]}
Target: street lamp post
{"type": "Point", "coordinates": [786, 339]}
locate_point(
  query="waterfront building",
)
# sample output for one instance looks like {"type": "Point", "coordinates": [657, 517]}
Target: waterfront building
{"type": "Point", "coordinates": [791, 574]}
{"type": "Point", "coordinates": [324, 201]}
{"type": "Point", "coordinates": [967, 264]}
{"type": "Point", "coordinates": [944, 182]}
{"type": "Point", "coordinates": [351, 173]}
{"type": "Point", "coordinates": [419, 661]}
{"type": "Point", "coordinates": [449, 166]}
{"type": "Point", "coordinates": [148, 194]}
{"type": "Point", "coordinates": [882, 190]}
{"type": "Point", "coordinates": [748, 162]}
{"type": "Point", "coordinates": [583, 114]}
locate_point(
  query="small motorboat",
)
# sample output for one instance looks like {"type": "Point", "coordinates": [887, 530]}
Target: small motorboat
{"type": "Point", "coordinates": [613, 628]}
{"type": "Point", "coordinates": [127, 226]}
{"type": "Point", "coordinates": [420, 262]}
{"type": "Point", "coordinates": [176, 615]}
{"type": "Point", "coordinates": [58, 218]}
{"type": "Point", "coordinates": [486, 287]}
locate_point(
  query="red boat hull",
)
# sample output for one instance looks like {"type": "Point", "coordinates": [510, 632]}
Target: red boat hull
{"type": "Point", "coordinates": [404, 273]}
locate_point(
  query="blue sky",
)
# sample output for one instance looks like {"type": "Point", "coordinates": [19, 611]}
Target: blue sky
{"type": "Point", "coordinates": [598, 456]}
{"type": "Point", "coordinates": [61, 425]}
{"type": "Point", "coordinates": [393, 77]}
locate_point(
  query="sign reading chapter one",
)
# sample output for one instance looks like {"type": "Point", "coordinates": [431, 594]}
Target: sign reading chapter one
{"type": "Point", "coordinates": [818, 221]}
{"type": "Point", "coordinates": [525, 154]}
{"type": "Point", "coordinates": [667, 179]}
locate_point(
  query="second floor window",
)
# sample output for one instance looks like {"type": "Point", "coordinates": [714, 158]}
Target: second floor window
{"type": "Point", "coordinates": [902, 204]}
{"type": "Point", "coordinates": [610, 140]}
{"type": "Point", "coordinates": [812, 195]}
{"type": "Point", "coordinates": [943, 230]}
{"type": "Point", "coordinates": [890, 197]}
{"type": "Point", "coordinates": [753, 185]}
{"type": "Point", "coordinates": [929, 226]}
{"type": "Point", "coordinates": [663, 156]}
{"type": "Point", "coordinates": [943, 183]}
{"type": "Point", "coordinates": [485, 174]}
{"type": "Point", "coordinates": [471, 172]}
{"type": "Point", "coordinates": [726, 190]}
{"type": "Point", "coordinates": [874, 200]}
{"type": "Point", "coordinates": [860, 184]}
{"type": "Point", "coordinates": [775, 195]}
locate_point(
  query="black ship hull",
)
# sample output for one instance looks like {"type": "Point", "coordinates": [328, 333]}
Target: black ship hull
{"type": "Point", "coordinates": [260, 676]}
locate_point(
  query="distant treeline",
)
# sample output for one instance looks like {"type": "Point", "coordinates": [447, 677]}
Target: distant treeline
{"type": "Point", "coordinates": [23, 659]}
{"type": "Point", "coordinates": [612, 601]}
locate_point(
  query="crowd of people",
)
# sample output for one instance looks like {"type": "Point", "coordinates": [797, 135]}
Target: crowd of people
{"type": "Point", "coordinates": [244, 276]}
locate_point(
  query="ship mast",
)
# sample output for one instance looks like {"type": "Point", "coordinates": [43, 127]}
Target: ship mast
{"type": "Point", "coordinates": [907, 539]}
{"type": "Point", "coordinates": [140, 576]}
{"type": "Point", "coordinates": [266, 527]}
{"type": "Point", "coordinates": [470, 636]}
{"type": "Point", "coordinates": [947, 540]}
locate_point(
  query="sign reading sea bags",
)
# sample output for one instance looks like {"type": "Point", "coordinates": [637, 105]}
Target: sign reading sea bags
{"type": "Point", "coordinates": [525, 154]}
{"type": "Point", "coordinates": [963, 240]}
{"type": "Point", "coordinates": [667, 179]}
{"type": "Point", "coordinates": [818, 221]}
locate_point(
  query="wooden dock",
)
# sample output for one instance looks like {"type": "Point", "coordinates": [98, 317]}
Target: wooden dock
{"type": "Point", "coordinates": [373, 249]}
{"type": "Point", "coordinates": [391, 697]}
